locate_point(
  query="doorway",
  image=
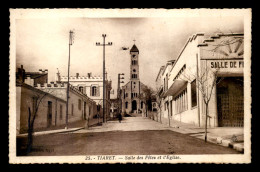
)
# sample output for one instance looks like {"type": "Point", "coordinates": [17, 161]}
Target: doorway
{"type": "Point", "coordinates": [49, 115]}
{"type": "Point", "coordinates": [230, 102]}
{"type": "Point", "coordinates": [84, 111]}
{"type": "Point", "coordinates": [134, 105]}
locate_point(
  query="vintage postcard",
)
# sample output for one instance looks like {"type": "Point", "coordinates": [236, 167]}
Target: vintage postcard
{"type": "Point", "coordinates": [130, 86]}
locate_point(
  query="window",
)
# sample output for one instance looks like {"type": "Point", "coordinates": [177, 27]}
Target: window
{"type": "Point", "coordinates": [126, 94]}
{"type": "Point", "coordinates": [181, 102]}
{"type": "Point", "coordinates": [166, 82]}
{"type": "Point", "coordinates": [94, 91]}
{"type": "Point", "coordinates": [163, 84]}
{"type": "Point", "coordinates": [72, 109]}
{"type": "Point", "coordinates": [133, 95]}
{"type": "Point", "coordinates": [193, 94]}
{"type": "Point", "coordinates": [79, 104]}
{"type": "Point", "coordinates": [60, 112]}
{"type": "Point", "coordinates": [134, 70]}
{"type": "Point", "coordinates": [81, 89]}
{"type": "Point", "coordinates": [134, 75]}
{"type": "Point", "coordinates": [166, 106]}
{"type": "Point", "coordinates": [126, 105]}
{"type": "Point", "coordinates": [133, 55]}
{"type": "Point", "coordinates": [134, 62]}
{"type": "Point", "coordinates": [142, 104]}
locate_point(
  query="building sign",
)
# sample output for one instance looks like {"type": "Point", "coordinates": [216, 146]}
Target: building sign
{"type": "Point", "coordinates": [227, 64]}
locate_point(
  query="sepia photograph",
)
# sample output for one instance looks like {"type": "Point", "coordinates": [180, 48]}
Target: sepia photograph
{"type": "Point", "coordinates": [130, 86]}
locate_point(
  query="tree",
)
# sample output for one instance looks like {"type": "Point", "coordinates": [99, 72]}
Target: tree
{"type": "Point", "coordinates": [206, 80]}
{"type": "Point", "coordinates": [146, 97]}
{"type": "Point", "coordinates": [37, 100]}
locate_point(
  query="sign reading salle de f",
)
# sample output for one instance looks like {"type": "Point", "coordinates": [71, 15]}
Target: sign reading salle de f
{"type": "Point", "coordinates": [227, 64]}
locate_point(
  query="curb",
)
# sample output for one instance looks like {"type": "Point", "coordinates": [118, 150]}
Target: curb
{"type": "Point", "coordinates": [228, 143]}
{"type": "Point", "coordinates": [54, 132]}
{"type": "Point", "coordinates": [217, 140]}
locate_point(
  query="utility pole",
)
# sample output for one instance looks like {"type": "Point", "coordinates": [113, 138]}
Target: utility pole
{"type": "Point", "coordinates": [118, 91]}
{"type": "Point", "coordinates": [68, 83]}
{"type": "Point", "coordinates": [104, 67]}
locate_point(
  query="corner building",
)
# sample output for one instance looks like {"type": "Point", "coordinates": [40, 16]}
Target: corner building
{"type": "Point", "coordinates": [219, 57]}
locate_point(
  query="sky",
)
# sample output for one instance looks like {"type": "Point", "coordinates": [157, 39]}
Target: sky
{"type": "Point", "coordinates": [44, 43]}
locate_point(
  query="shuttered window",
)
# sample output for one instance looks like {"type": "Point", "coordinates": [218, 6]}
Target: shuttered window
{"type": "Point", "coordinates": [181, 102]}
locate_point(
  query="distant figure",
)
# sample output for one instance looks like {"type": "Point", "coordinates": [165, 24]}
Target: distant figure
{"type": "Point", "coordinates": [119, 117]}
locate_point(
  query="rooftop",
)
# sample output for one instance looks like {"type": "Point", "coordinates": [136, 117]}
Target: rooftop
{"type": "Point", "coordinates": [134, 49]}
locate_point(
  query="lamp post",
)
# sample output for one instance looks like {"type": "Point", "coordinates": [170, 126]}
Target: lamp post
{"type": "Point", "coordinates": [104, 83]}
{"type": "Point", "coordinates": [118, 91]}
{"type": "Point", "coordinates": [68, 83]}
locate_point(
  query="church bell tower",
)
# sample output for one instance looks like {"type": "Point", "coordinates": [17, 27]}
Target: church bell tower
{"type": "Point", "coordinates": [134, 64]}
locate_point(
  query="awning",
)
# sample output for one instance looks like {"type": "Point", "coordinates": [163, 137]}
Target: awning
{"type": "Point", "coordinates": [175, 87]}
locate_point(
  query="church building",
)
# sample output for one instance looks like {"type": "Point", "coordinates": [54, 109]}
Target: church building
{"type": "Point", "coordinates": [130, 93]}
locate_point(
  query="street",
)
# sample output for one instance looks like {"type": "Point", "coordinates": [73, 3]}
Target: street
{"type": "Point", "coordinates": [133, 136]}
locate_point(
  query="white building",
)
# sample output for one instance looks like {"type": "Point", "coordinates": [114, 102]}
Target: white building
{"type": "Point", "coordinates": [90, 85]}
{"type": "Point", "coordinates": [190, 79]}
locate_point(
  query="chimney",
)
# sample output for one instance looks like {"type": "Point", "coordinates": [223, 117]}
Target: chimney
{"type": "Point", "coordinates": [21, 74]}
{"type": "Point", "coordinates": [77, 75]}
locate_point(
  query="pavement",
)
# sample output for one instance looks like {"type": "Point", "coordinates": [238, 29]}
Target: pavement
{"type": "Point", "coordinates": [232, 137]}
{"type": "Point", "coordinates": [225, 136]}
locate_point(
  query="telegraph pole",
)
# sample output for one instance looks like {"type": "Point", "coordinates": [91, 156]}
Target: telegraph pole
{"type": "Point", "coordinates": [104, 82]}
{"type": "Point", "coordinates": [118, 90]}
{"type": "Point", "coordinates": [68, 83]}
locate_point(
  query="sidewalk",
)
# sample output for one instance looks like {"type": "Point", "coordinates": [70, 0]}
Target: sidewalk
{"type": "Point", "coordinates": [232, 137]}
{"type": "Point", "coordinates": [74, 126]}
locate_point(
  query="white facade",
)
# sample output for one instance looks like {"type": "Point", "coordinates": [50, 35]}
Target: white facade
{"type": "Point", "coordinates": [92, 86]}
{"type": "Point", "coordinates": [220, 55]}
